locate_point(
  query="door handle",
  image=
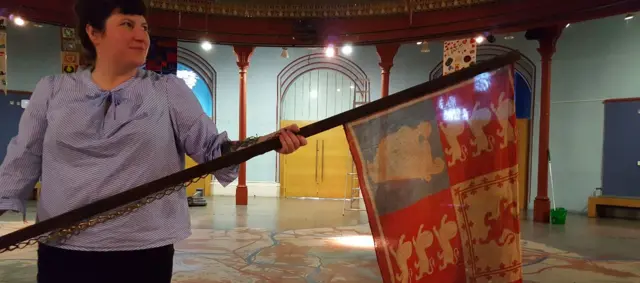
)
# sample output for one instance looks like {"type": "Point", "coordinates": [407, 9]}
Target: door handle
{"type": "Point", "coordinates": [316, 162]}
{"type": "Point", "coordinates": [322, 170]}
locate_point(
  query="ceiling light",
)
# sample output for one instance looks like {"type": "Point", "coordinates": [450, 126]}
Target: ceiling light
{"type": "Point", "coordinates": [330, 51]}
{"type": "Point", "coordinates": [347, 49]}
{"type": "Point", "coordinates": [206, 45]}
{"type": "Point", "coordinates": [425, 47]}
{"type": "Point", "coordinates": [628, 17]}
{"type": "Point", "coordinates": [19, 21]}
{"type": "Point", "coordinates": [480, 39]}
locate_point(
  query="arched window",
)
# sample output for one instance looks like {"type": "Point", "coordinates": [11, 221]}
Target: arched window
{"type": "Point", "coordinates": [199, 87]}
{"type": "Point", "coordinates": [314, 87]}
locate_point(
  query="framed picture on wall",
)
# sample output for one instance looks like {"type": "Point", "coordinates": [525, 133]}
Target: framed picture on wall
{"type": "Point", "coordinates": [68, 33]}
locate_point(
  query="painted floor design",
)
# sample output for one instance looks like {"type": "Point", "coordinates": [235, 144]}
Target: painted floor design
{"type": "Point", "coordinates": [342, 254]}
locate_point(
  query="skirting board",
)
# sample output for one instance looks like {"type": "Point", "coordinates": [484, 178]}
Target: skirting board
{"type": "Point", "coordinates": [257, 189]}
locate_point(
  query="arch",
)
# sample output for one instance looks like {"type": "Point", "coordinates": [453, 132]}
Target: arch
{"type": "Point", "coordinates": [319, 61]}
{"type": "Point", "coordinates": [525, 71]}
{"type": "Point", "coordinates": [204, 70]}
{"type": "Point", "coordinates": [524, 66]}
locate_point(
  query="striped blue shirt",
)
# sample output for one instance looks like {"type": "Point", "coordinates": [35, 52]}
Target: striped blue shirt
{"type": "Point", "coordinates": [87, 144]}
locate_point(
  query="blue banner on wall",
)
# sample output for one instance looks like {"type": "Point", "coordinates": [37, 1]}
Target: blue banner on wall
{"type": "Point", "coordinates": [522, 98]}
{"type": "Point", "coordinates": [620, 154]}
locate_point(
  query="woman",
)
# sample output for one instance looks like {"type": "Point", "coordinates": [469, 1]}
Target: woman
{"type": "Point", "coordinates": [107, 129]}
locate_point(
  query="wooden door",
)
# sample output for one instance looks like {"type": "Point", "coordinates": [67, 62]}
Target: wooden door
{"type": "Point", "coordinates": [299, 170]}
{"type": "Point", "coordinates": [318, 169]}
{"type": "Point", "coordinates": [203, 183]}
{"type": "Point", "coordinates": [335, 163]}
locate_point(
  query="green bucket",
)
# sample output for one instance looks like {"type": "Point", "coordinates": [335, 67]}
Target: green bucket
{"type": "Point", "coordinates": [558, 216]}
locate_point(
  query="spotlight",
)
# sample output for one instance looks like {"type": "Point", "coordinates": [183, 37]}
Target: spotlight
{"type": "Point", "coordinates": [628, 17]}
{"type": "Point", "coordinates": [347, 49]}
{"type": "Point", "coordinates": [419, 43]}
{"type": "Point", "coordinates": [206, 45]}
{"type": "Point", "coordinates": [19, 21]}
{"type": "Point", "coordinates": [567, 26]}
{"type": "Point", "coordinates": [330, 51]}
{"type": "Point", "coordinates": [285, 53]}
{"type": "Point", "coordinates": [508, 37]}
{"type": "Point", "coordinates": [480, 39]}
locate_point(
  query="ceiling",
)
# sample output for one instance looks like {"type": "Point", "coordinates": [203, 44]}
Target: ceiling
{"type": "Point", "coordinates": [311, 8]}
{"type": "Point", "coordinates": [365, 23]}
{"type": "Point", "coordinates": [302, 2]}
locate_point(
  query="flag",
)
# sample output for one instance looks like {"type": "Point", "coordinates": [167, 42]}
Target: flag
{"type": "Point", "coordinates": [438, 175]}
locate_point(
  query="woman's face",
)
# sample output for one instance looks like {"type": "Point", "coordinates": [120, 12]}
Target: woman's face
{"type": "Point", "coordinates": [125, 40]}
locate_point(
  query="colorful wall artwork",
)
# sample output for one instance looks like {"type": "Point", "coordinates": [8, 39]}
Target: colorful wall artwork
{"type": "Point", "coordinates": [458, 54]}
{"type": "Point", "coordinates": [70, 50]}
{"type": "Point", "coordinates": [3, 54]}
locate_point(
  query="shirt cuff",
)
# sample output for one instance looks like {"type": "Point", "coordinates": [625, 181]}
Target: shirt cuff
{"type": "Point", "coordinates": [227, 175]}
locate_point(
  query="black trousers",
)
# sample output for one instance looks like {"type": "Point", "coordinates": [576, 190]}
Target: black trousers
{"type": "Point", "coordinates": [57, 265]}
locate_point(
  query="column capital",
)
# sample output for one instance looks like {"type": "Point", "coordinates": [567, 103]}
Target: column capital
{"type": "Point", "coordinates": [386, 53]}
{"type": "Point", "coordinates": [547, 38]}
{"type": "Point", "coordinates": [243, 56]}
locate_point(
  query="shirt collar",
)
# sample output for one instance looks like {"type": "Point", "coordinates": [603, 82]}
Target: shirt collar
{"type": "Point", "coordinates": [95, 90]}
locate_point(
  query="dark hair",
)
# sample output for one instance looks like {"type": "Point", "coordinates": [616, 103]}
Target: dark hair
{"type": "Point", "coordinates": [95, 13]}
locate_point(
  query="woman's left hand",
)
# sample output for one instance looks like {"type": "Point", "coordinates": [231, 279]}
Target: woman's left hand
{"type": "Point", "coordinates": [289, 139]}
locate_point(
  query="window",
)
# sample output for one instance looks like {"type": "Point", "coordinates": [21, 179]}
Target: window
{"type": "Point", "coordinates": [199, 87]}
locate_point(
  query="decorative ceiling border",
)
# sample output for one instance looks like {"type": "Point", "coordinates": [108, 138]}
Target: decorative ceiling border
{"type": "Point", "coordinates": [310, 11]}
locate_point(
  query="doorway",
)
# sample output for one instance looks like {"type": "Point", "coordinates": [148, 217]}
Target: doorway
{"type": "Point", "coordinates": [320, 169]}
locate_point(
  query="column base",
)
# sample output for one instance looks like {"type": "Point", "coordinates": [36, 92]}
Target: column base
{"type": "Point", "coordinates": [541, 210]}
{"type": "Point", "coordinates": [242, 195]}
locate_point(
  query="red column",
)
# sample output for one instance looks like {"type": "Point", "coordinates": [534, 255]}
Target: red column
{"type": "Point", "coordinates": [547, 38]}
{"type": "Point", "coordinates": [386, 52]}
{"type": "Point", "coordinates": [243, 56]}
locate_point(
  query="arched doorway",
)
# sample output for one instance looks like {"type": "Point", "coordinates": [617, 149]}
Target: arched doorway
{"type": "Point", "coordinates": [524, 85]}
{"type": "Point", "coordinates": [200, 77]}
{"type": "Point", "coordinates": [313, 88]}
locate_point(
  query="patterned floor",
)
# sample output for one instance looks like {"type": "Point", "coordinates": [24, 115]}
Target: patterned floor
{"type": "Point", "coordinates": [342, 254]}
